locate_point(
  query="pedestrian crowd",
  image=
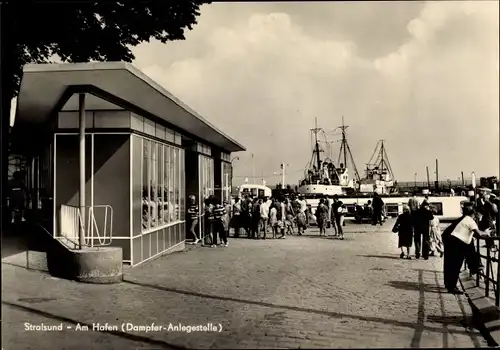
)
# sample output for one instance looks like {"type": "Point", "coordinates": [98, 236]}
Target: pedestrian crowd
{"type": "Point", "coordinates": [419, 224]}
{"type": "Point", "coordinates": [262, 218]}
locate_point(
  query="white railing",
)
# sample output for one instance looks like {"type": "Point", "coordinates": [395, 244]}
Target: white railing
{"type": "Point", "coordinates": [95, 235]}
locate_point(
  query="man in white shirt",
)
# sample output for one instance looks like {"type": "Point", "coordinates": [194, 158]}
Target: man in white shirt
{"type": "Point", "coordinates": [268, 202]}
{"type": "Point", "coordinates": [329, 202]}
{"type": "Point", "coordinates": [303, 204]}
{"type": "Point", "coordinates": [264, 217]}
{"type": "Point", "coordinates": [458, 247]}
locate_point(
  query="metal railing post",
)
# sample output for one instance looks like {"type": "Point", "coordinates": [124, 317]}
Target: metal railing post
{"type": "Point", "coordinates": [487, 277]}
{"type": "Point", "coordinates": [478, 244]}
{"type": "Point", "coordinates": [497, 294]}
{"type": "Point", "coordinates": [81, 110]}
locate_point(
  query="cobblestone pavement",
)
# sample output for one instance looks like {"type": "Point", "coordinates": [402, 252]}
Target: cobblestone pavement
{"type": "Point", "coordinates": [306, 292]}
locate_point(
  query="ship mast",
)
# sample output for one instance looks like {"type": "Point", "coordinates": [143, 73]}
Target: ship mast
{"type": "Point", "coordinates": [344, 142]}
{"type": "Point", "coordinates": [382, 157]}
{"type": "Point", "coordinates": [316, 147]}
{"type": "Point", "coordinates": [381, 162]}
{"type": "Point", "coordinates": [345, 150]}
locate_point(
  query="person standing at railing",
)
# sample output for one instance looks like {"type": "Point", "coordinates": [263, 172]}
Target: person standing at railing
{"type": "Point", "coordinates": [457, 242]}
{"type": "Point", "coordinates": [489, 212]}
{"type": "Point", "coordinates": [192, 212]}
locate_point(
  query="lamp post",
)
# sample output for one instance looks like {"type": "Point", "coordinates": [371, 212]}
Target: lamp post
{"type": "Point", "coordinates": [283, 167]}
{"type": "Point", "coordinates": [415, 180]}
{"type": "Point", "coordinates": [253, 169]}
{"type": "Point", "coordinates": [473, 175]}
{"type": "Point", "coordinates": [229, 186]}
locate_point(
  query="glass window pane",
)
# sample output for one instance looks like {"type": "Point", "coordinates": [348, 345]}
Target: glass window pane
{"type": "Point", "coordinates": [160, 131]}
{"type": "Point", "coordinates": [205, 186]}
{"type": "Point", "coordinates": [112, 119]}
{"type": "Point", "coordinates": [211, 175]}
{"type": "Point", "coordinates": [145, 184]}
{"type": "Point", "coordinates": [182, 173]}
{"type": "Point", "coordinates": [177, 188]}
{"type": "Point", "coordinates": [172, 201]}
{"type": "Point", "coordinates": [178, 139]}
{"type": "Point", "coordinates": [224, 181]}
{"type": "Point", "coordinates": [136, 122]}
{"type": "Point", "coordinates": [160, 165]}
{"type": "Point", "coordinates": [207, 177]}
{"type": "Point", "coordinates": [166, 193]}
{"type": "Point", "coordinates": [153, 196]}
{"type": "Point", "coordinates": [169, 135]}
{"type": "Point", "coordinates": [149, 127]}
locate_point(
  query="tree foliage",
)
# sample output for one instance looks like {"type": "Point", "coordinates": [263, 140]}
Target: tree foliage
{"type": "Point", "coordinates": [82, 31]}
{"type": "Point", "coordinates": [79, 31]}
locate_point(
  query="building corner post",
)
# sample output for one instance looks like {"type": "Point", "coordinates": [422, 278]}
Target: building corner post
{"type": "Point", "coordinates": [82, 121]}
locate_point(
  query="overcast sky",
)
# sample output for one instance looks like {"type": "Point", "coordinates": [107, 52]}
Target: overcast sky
{"type": "Point", "coordinates": [422, 76]}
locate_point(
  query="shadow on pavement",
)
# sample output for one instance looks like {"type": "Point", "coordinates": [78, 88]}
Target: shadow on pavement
{"type": "Point", "coordinates": [405, 285]}
{"type": "Point", "coordinates": [312, 236]}
{"type": "Point", "coordinates": [431, 271]}
{"type": "Point", "coordinates": [466, 321]}
{"type": "Point", "coordinates": [157, 343]}
{"type": "Point", "coordinates": [382, 257]}
{"type": "Point", "coordinates": [446, 320]}
{"type": "Point", "coordinates": [420, 327]}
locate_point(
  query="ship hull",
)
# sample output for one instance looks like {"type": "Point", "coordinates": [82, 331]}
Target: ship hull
{"type": "Point", "coordinates": [326, 190]}
{"type": "Point", "coordinates": [377, 186]}
{"type": "Point", "coordinates": [449, 208]}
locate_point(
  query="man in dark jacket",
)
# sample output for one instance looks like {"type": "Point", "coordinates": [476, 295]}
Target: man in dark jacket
{"type": "Point", "coordinates": [378, 208]}
{"type": "Point", "coordinates": [422, 223]}
{"type": "Point", "coordinates": [246, 214]}
{"type": "Point", "coordinates": [338, 217]}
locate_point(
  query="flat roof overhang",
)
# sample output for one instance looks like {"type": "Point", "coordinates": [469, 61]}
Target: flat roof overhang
{"type": "Point", "coordinates": [45, 87]}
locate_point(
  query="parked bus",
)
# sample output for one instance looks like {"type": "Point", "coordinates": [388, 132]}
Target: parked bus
{"type": "Point", "coordinates": [260, 191]}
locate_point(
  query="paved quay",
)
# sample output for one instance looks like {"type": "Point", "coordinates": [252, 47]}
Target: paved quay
{"type": "Point", "coordinates": [302, 292]}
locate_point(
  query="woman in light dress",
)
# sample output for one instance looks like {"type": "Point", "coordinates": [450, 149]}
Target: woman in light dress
{"type": "Point", "coordinates": [436, 243]}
